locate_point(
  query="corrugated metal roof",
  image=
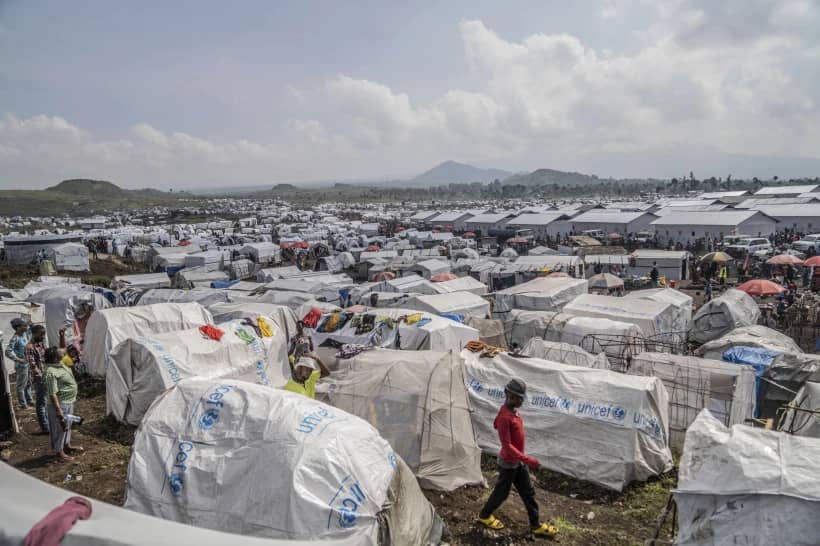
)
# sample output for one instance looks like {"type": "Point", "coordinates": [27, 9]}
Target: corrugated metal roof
{"type": "Point", "coordinates": [710, 218]}
{"type": "Point", "coordinates": [783, 190]}
{"type": "Point", "coordinates": [694, 208]}
{"type": "Point", "coordinates": [720, 194]}
{"type": "Point", "coordinates": [423, 215]}
{"type": "Point", "coordinates": [450, 216]}
{"type": "Point", "coordinates": [791, 211]}
{"type": "Point", "coordinates": [610, 216]}
{"type": "Point", "coordinates": [629, 205]}
{"type": "Point", "coordinates": [655, 254]}
{"type": "Point", "coordinates": [755, 202]}
{"type": "Point", "coordinates": [488, 218]}
{"type": "Point", "coordinates": [537, 219]}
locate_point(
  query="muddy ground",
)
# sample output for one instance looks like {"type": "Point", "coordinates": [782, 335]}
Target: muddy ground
{"type": "Point", "coordinates": [585, 514]}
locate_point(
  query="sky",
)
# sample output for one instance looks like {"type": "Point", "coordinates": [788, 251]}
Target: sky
{"type": "Point", "coordinates": [200, 93]}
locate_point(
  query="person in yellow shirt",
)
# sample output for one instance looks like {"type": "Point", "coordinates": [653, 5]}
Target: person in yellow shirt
{"type": "Point", "coordinates": [304, 375]}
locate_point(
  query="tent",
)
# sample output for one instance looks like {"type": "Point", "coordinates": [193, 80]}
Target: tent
{"type": "Point", "coordinates": [111, 525]}
{"type": "Point", "coordinates": [461, 303]}
{"type": "Point", "coordinates": [262, 252]}
{"type": "Point", "coordinates": [141, 368]}
{"type": "Point", "coordinates": [681, 303]}
{"type": "Point", "coordinates": [490, 331]}
{"type": "Point", "coordinates": [283, 317]}
{"type": "Point", "coordinates": [210, 260]}
{"type": "Point", "coordinates": [693, 383]}
{"type": "Point", "coordinates": [107, 328]}
{"type": "Point", "coordinates": [744, 485]}
{"type": "Point", "coordinates": [418, 402]}
{"type": "Point", "coordinates": [596, 335]}
{"type": "Point", "coordinates": [145, 281]}
{"type": "Point", "coordinates": [198, 277]}
{"type": "Point", "coordinates": [70, 257]}
{"type": "Point", "coordinates": [60, 307]}
{"type": "Point", "coordinates": [464, 284]}
{"type": "Point", "coordinates": [206, 297]}
{"type": "Point", "coordinates": [564, 353]}
{"type": "Point", "coordinates": [720, 316]}
{"type": "Point", "coordinates": [249, 459]}
{"type": "Point", "coordinates": [801, 419]}
{"type": "Point", "coordinates": [9, 310]}
{"type": "Point", "coordinates": [748, 336]}
{"type": "Point", "coordinates": [540, 294]}
{"type": "Point", "coordinates": [594, 425]}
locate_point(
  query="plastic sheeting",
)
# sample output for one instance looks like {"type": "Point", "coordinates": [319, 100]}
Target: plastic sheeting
{"type": "Point", "coordinates": [107, 328]}
{"type": "Point", "coordinates": [142, 368]}
{"type": "Point", "coordinates": [749, 336]}
{"type": "Point", "coordinates": [540, 294]}
{"type": "Point", "coordinates": [595, 425]}
{"type": "Point", "coordinates": [693, 384]}
{"type": "Point", "coordinates": [464, 303]}
{"type": "Point", "coordinates": [110, 525]}
{"type": "Point", "coordinates": [733, 309]}
{"type": "Point", "coordinates": [681, 303]}
{"type": "Point", "coordinates": [244, 458]}
{"type": "Point", "coordinates": [145, 281]}
{"type": "Point", "coordinates": [743, 485]}
{"type": "Point", "coordinates": [283, 317]}
{"type": "Point", "coordinates": [70, 257]}
{"type": "Point", "coordinates": [206, 297]}
{"type": "Point", "coordinates": [804, 423]}
{"type": "Point", "coordinates": [418, 402]}
{"type": "Point", "coordinates": [490, 331]}
{"type": "Point", "coordinates": [464, 284]}
{"type": "Point", "coordinates": [657, 319]}
{"type": "Point", "coordinates": [564, 353]}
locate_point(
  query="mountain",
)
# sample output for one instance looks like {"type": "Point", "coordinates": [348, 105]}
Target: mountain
{"type": "Point", "coordinates": [544, 177]}
{"type": "Point", "coordinates": [451, 172]}
{"type": "Point", "coordinates": [82, 186]}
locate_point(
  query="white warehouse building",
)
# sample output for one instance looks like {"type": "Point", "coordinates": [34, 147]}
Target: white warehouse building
{"type": "Point", "coordinates": [803, 218]}
{"type": "Point", "coordinates": [688, 227]}
{"type": "Point", "coordinates": [543, 224]}
{"type": "Point", "coordinates": [612, 221]}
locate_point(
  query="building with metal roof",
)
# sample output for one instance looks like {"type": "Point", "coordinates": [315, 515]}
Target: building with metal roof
{"type": "Point", "coordinates": [723, 194]}
{"type": "Point", "coordinates": [786, 191]}
{"type": "Point", "coordinates": [687, 227]}
{"type": "Point", "coordinates": [612, 221]}
{"type": "Point", "coordinates": [544, 224]}
{"type": "Point", "coordinates": [803, 218]}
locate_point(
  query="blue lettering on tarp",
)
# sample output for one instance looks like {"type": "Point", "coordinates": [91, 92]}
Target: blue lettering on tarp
{"type": "Point", "coordinates": [176, 478]}
{"type": "Point", "coordinates": [346, 503]}
{"type": "Point", "coordinates": [313, 419]}
{"type": "Point", "coordinates": [259, 349]}
{"type": "Point", "coordinates": [475, 385]}
{"type": "Point", "coordinates": [213, 406]}
{"type": "Point", "coordinates": [168, 361]}
{"type": "Point", "coordinates": [551, 402]}
{"type": "Point", "coordinates": [649, 424]}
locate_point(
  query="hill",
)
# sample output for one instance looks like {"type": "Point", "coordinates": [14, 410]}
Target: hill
{"type": "Point", "coordinates": [452, 172]}
{"type": "Point", "coordinates": [83, 186]}
{"type": "Point", "coordinates": [545, 177]}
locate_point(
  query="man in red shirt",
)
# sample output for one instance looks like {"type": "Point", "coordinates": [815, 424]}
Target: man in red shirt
{"type": "Point", "coordinates": [514, 464]}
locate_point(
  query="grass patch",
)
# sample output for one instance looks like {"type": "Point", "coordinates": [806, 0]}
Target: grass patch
{"type": "Point", "coordinates": [564, 526]}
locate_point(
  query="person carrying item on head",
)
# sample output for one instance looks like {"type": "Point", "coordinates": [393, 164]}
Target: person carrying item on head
{"type": "Point", "coordinates": [513, 464]}
{"type": "Point", "coordinates": [304, 375]}
{"type": "Point", "coordinates": [16, 353]}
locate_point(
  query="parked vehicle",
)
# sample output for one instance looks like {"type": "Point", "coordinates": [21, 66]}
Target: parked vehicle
{"type": "Point", "coordinates": [808, 243]}
{"type": "Point", "coordinates": [757, 246]}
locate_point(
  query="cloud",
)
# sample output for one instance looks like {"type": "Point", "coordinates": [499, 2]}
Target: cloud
{"type": "Point", "coordinates": [737, 77]}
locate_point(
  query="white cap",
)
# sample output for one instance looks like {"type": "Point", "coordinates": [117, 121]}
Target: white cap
{"type": "Point", "coordinates": [306, 362]}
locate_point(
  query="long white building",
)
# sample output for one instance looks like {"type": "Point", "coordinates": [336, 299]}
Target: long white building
{"type": "Point", "coordinates": [687, 227]}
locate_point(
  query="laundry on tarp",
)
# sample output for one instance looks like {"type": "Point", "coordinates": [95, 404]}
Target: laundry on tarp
{"type": "Point", "coordinates": [109, 327]}
{"type": "Point", "coordinates": [143, 367]}
{"type": "Point", "coordinates": [595, 425]}
{"type": "Point", "coordinates": [733, 309]}
{"type": "Point", "coordinates": [248, 459]}
{"type": "Point", "coordinates": [418, 402]}
{"type": "Point", "coordinates": [744, 485]}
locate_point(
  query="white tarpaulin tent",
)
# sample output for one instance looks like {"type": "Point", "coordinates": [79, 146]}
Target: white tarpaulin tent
{"type": "Point", "coordinates": [692, 383]}
{"type": "Point", "coordinates": [681, 303]}
{"type": "Point", "coordinates": [720, 316]}
{"type": "Point", "coordinates": [142, 368]}
{"type": "Point", "coordinates": [206, 297]}
{"type": "Point", "coordinates": [464, 284]}
{"type": "Point", "coordinates": [564, 353]}
{"type": "Point", "coordinates": [60, 309]}
{"type": "Point", "coordinates": [805, 422]}
{"type": "Point", "coordinates": [418, 402]}
{"type": "Point", "coordinates": [9, 310]}
{"type": "Point", "coordinates": [107, 328]}
{"type": "Point", "coordinates": [70, 257]}
{"type": "Point", "coordinates": [749, 336]}
{"type": "Point", "coordinates": [657, 319]}
{"type": "Point", "coordinates": [282, 316]}
{"type": "Point", "coordinates": [744, 485]}
{"type": "Point", "coordinates": [244, 458]}
{"type": "Point", "coordinates": [540, 294]}
{"type": "Point", "coordinates": [462, 303]}
{"type": "Point", "coordinates": [145, 281]}
{"type": "Point", "coordinates": [595, 425]}
{"type": "Point", "coordinates": [111, 525]}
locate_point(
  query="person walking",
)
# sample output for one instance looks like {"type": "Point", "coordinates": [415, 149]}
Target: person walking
{"type": "Point", "coordinates": [16, 352]}
{"type": "Point", "coordinates": [723, 275]}
{"type": "Point", "coordinates": [514, 464]}
{"type": "Point", "coordinates": [707, 292]}
{"type": "Point", "coordinates": [653, 275]}
{"type": "Point", "coordinates": [35, 356]}
{"type": "Point", "coordinates": [61, 388]}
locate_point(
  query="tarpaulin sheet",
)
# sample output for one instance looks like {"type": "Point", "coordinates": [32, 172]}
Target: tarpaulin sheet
{"type": "Point", "coordinates": [540, 294]}
{"type": "Point", "coordinates": [248, 459]}
{"type": "Point", "coordinates": [142, 368]}
{"type": "Point", "coordinates": [720, 316]}
{"type": "Point", "coordinates": [744, 485]}
{"type": "Point", "coordinates": [595, 425]}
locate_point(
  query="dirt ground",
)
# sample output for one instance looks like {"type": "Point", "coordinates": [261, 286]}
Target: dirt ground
{"type": "Point", "coordinates": [584, 513]}
{"type": "Point", "coordinates": [102, 271]}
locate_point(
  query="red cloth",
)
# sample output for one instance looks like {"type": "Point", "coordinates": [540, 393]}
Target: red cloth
{"type": "Point", "coordinates": [50, 530]}
{"type": "Point", "coordinates": [312, 318]}
{"type": "Point", "coordinates": [510, 429]}
{"type": "Point", "coordinates": [212, 332]}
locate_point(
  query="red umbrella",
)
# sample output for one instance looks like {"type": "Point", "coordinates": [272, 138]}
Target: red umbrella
{"type": "Point", "coordinates": [761, 287]}
{"type": "Point", "coordinates": [614, 236]}
{"type": "Point", "coordinates": [398, 228]}
{"type": "Point", "coordinates": [517, 241]}
{"type": "Point", "coordinates": [384, 276]}
{"type": "Point", "coordinates": [372, 248]}
{"type": "Point", "coordinates": [814, 260]}
{"type": "Point", "coordinates": [558, 275]}
{"type": "Point", "coordinates": [184, 242]}
{"type": "Point", "coordinates": [443, 277]}
{"type": "Point", "coordinates": [469, 235]}
{"type": "Point", "coordinates": [784, 259]}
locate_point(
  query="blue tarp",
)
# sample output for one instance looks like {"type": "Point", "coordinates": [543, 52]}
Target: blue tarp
{"type": "Point", "coordinates": [453, 316]}
{"type": "Point", "coordinates": [223, 284]}
{"type": "Point", "coordinates": [757, 358]}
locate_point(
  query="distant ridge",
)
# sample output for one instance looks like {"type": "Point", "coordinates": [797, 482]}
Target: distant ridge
{"type": "Point", "coordinates": [545, 177]}
{"type": "Point", "coordinates": [452, 172]}
{"type": "Point", "coordinates": [84, 186]}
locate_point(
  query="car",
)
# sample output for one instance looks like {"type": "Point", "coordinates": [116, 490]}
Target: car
{"type": "Point", "coordinates": [730, 240]}
{"type": "Point", "coordinates": [644, 236]}
{"type": "Point", "coordinates": [808, 242]}
{"type": "Point", "coordinates": [595, 234]}
{"type": "Point", "coordinates": [757, 246]}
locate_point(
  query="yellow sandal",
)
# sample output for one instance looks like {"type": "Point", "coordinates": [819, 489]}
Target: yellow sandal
{"type": "Point", "coordinates": [545, 530]}
{"type": "Point", "coordinates": [492, 522]}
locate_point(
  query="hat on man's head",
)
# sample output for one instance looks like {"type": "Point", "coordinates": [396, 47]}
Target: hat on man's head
{"type": "Point", "coordinates": [18, 322]}
{"type": "Point", "coordinates": [305, 363]}
{"type": "Point", "coordinates": [516, 387]}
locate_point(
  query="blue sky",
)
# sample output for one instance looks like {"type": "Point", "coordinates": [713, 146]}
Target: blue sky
{"type": "Point", "coordinates": [204, 93]}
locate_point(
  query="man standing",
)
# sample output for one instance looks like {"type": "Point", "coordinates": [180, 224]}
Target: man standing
{"type": "Point", "coordinates": [653, 275]}
{"type": "Point", "coordinates": [304, 375]}
{"type": "Point", "coordinates": [16, 352]}
{"type": "Point", "coordinates": [514, 464]}
{"type": "Point", "coordinates": [35, 356]}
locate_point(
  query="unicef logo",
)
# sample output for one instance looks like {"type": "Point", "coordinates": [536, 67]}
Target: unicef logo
{"type": "Point", "coordinates": [347, 518]}
{"type": "Point", "coordinates": [208, 419]}
{"type": "Point", "coordinates": [176, 484]}
{"type": "Point", "coordinates": [392, 460]}
{"type": "Point", "coordinates": [619, 413]}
